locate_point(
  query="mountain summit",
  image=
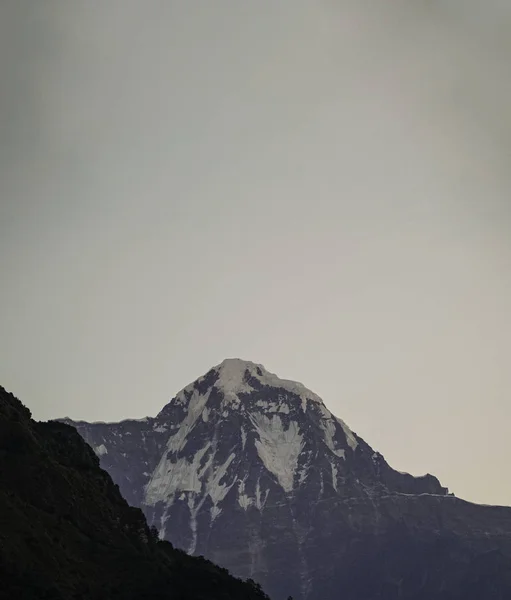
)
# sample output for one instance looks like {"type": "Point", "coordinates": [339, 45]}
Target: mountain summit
{"type": "Point", "coordinates": [237, 376]}
{"type": "Point", "coordinates": [255, 473]}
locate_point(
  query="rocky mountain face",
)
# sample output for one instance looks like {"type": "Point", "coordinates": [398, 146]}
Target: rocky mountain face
{"type": "Point", "coordinates": [66, 533]}
{"type": "Point", "coordinates": [256, 474]}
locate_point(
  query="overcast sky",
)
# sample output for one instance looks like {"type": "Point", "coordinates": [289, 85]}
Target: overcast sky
{"type": "Point", "coordinates": [320, 186]}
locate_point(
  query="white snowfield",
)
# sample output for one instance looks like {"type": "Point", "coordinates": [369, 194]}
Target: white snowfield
{"type": "Point", "coordinates": [278, 447]}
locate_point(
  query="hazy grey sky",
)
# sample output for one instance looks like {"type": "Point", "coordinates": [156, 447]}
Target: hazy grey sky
{"type": "Point", "coordinates": [321, 186]}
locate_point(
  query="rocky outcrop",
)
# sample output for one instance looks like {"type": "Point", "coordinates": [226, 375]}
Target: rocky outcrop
{"type": "Point", "coordinates": [255, 473]}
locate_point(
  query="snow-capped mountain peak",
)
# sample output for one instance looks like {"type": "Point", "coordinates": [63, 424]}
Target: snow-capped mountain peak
{"type": "Point", "coordinates": [241, 450]}
{"type": "Point", "coordinates": [242, 433]}
{"type": "Point", "coordinates": [235, 378]}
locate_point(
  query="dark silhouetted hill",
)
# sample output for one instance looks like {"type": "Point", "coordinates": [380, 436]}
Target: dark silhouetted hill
{"type": "Point", "coordinates": [66, 533]}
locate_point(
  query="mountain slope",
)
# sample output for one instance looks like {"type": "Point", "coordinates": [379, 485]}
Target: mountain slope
{"type": "Point", "coordinates": [66, 532]}
{"type": "Point", "coordinates": [255, 473]}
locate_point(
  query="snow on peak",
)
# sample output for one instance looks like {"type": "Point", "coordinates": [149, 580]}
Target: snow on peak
{"type": "Point", "coordinates": [235, 376]}
{"type": "Point", "coordinates": [231, 377]}
{"type": "Point", "coordinates": [195, 465]}
{"type": "Point", "coordinates": [232, 380]}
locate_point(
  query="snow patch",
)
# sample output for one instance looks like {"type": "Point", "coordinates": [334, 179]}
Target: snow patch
{"type": "Point", "coordinates": [216, 490]}
{"type": "Point", "coordinates": [193, 480]}
{"type": "Point", "coordinates": [101, 450]}
{"type": "Point", "coordinates": [170, 477]}
{"type": "Point", "coordinates": [215, 511]}
{"type": "Point", "coordinates": [243, 500]}
{"type": "Point", "coordinates": [194, 508]}
{"type": "Point", "coordinates": [195, 407]}
{"type": "Point", "coordinates": [269, 406]}
{"type": "Point", "coordinates": [334, 476]}
{"type": "Point", "coordinates": [350, 436]}
{"type": "Point", "coordinates": [278, 447]}
{"type": "Point", "coordinates": [163, 525]}
{"type": "Point", "coordinates": [261, 497]}
{"type": "Point", "coordinates": [231, 381]}
{"type": "Point", "coordinates": [231, 375]}
{"type": "Point", "coordinates": [329, 430]}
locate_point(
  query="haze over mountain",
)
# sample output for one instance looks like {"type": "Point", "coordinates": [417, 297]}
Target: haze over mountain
{"type": "Point", "coordinates": [255, 473]}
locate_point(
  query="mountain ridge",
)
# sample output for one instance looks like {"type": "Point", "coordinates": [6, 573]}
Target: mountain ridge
{"type": "Point", "coordinates": [257, 474]}
{"type": "Point", "coordinates": [226, 386]}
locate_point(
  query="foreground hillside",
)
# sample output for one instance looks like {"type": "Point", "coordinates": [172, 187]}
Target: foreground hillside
{"type": "Point", "coordinates": [66, 532]}
{"type": "Point", "coordinates": [255, 473]}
